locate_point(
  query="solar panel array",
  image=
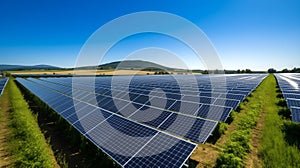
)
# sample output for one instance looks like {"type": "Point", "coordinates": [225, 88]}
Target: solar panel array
{"type": "Point", "coordinates": [125, 141]}
{"type": "Point", "coordinates": [152, 107]}
{"type": "Point", "coordinates": [290, 87]}
{"type": "Point", "coordinates": [3, 82]}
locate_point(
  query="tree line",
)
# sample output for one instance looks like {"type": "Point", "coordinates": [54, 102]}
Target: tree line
{"type": "Point", "coordinates": [294, 70]}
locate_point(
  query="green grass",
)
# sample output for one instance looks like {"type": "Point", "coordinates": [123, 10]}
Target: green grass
{"type": "Point", "coordinates": [279, 140]}
{"type": "Point", "coordinates": [238, 145]}
{"type": "Point", "coordinates": [28, 145]}
{"type": "Point", "coordinates": [279, 147]}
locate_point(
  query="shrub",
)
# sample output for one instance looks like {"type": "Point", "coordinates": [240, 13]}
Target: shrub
{"type": "Point", "coordinates": [222, 128]}
{"type": "Point", "coordinates": [230, 161]}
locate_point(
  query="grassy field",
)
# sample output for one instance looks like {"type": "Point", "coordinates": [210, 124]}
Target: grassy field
{"type": "Point", "coordinates": [27, 144]}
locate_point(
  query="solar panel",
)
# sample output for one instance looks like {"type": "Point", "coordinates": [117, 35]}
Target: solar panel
{"type": "Point", "coordinates": [209, 94]}
{"type": "Point", "coordinates": [129, 109]}
{"type": "Point", "coordinates": [239, 97]}
{"type": "Point", "coordinates": [142, 99]}
{"type": "Point", "coordinates": [293, 102]}
{"type": "Point", "coordinates": [152, 116]}
{"type": "Point", "coordinates": [218, 113]}
{"type": "Point", "coordinates": [162, 102]}
{"type": "Point", "coordinates": [91, 119]}
{"type": "Point", "coordinates": [3, 82]}
{"type": "Point", "coordinates": [185, 107]}
{"type": "Point", "coordinates": [173, 96]}
{"type": "Point", "coordinates": [147, 157]}
{"type": "Point", "coordinates": [108, 137]}
{"type": "Point", "coordinates": [291, 92]}
{"type": "Point", "coordinates": [64, 105]}
{"type": "Point", "coordinates": [189, 127]}
{"type": "Point", "coordinates": [227, 102]}
{"type": "Point", "coordinates": [125, 141]}
{"type": "Point", "coordinates": [295, 114]}
{"type": "Point", "coordinates": [239, 92]}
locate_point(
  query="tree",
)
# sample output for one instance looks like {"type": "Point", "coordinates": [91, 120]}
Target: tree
{"type": "Point", "coordinates": [285, 71]}
{"type": "Point", "coordinates": [295, 70]}
{"type": "Point", "coordinates": [205, 72]}
{"type": "Point", "coordinates": [272, 70]}
{"type": "Point", "coordinates": [248, 71]}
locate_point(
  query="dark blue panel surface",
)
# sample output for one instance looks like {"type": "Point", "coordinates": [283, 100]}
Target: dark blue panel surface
{"type": "Point", "coordinates": [163, 156]}
{"type": "Point", "coordinates": [151, 116]}
{"type": "Point", "coordinates": [196, 129]}
{"type": "Point", "coordinates": [185, 107]}
{"type": "Point", "coordinates": [295, 114]}
{"type": "Point", "coordinates": [293, 103]}
{"type": "Point", "coordinates": [227, 102]}
{"type": "Point", "coordinates": [212, 112]}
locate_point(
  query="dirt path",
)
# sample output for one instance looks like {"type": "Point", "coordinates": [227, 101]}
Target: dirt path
{"type": "Point", "coordinates": [6, 160]}
{"type": "Point", "coordinates": [206, 155]}
{"type": "Point", "coordinates": [253, 160]}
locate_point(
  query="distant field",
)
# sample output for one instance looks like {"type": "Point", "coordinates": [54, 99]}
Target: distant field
{"type": "Point", "coordinates": [87, 72]}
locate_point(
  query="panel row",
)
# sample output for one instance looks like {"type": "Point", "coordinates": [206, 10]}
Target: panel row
{"type": "Point", "coordinates": [130, 144]}
{"type": "Point", "coordinates": [143, 113]}
{"type": "Point", "coordinates": [290, 88]}
{"type": "Point", "coordinates": [186, 102]}
{"type": "Point", "coordinates": [3, 82]}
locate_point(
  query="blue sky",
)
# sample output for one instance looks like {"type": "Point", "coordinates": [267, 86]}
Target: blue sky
{"type": "Point", "coordinates": [246, 33]}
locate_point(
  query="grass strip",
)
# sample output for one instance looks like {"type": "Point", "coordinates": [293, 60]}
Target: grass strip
{"type": "Point", "coordinates": [238, 145]}
{"type": "Point", "coordinates": [28, 145]}
{"type": "Point", "coordinates": [279, 146]}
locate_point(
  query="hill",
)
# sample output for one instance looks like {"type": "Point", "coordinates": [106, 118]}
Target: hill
{"type": "Point", "coordinates": [131, 65]}
{"type": "Point", "coordinates": [4, 67]}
